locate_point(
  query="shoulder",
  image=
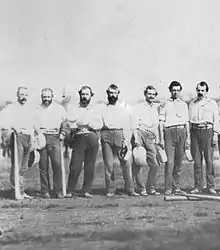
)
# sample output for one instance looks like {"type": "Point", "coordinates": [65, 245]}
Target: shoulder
{"type": "Point", "coordinates": [59, 107]}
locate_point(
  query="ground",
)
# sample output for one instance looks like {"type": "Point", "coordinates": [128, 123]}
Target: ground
{"type": "Point", "coordinates": [107, 223]}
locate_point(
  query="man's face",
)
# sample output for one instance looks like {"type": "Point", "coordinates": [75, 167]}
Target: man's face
{"type": "Point", "coordinates": [22, 96]}
{"type": "Point", "coordinates": [201, 91]}
{"type": "Point", "coordinates": [175, 92]}
{"type": "Point", "coordinates": [47, 98]}
{"type": "Point", "coordinates": [112, 96]}
{"type": "Point", "coordinates": [85, 96]}
{"type": "Point", "coordinates": [150, 95]}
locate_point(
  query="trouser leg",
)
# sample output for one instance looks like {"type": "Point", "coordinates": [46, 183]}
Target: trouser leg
{"type": "Point", "coordinates": [108, 159]}
{"type": "Point", "coordinates": [196, 151]}
{"type": "Point", "coordinates": [75, 166]}
{"type": "Point", "coordinates": [89, 162]}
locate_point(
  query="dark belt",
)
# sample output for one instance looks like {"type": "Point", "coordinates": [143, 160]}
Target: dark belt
{"type": "Point", "coordinates": [176, 126]}
{"type": "Point", "coordinates": [202, 125]}
{"type": "Point", "coordinates": [112, 129]}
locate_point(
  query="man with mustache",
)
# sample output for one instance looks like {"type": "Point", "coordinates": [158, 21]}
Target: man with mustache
{"type": "Point", "coordinates": [115, 139]}
{"type": "Point", "coordinates": [204, 130]}
{"type": "Point", "coordinates": [174, 129]}
{"type": "Point", "coordinates": [51, 121]}
{"type": "Point", "coordinates": [145, 137]}
{"type": "Point", "coordinates": [85, 123]}
{"type": "Point", "coordinates": [19, 118]}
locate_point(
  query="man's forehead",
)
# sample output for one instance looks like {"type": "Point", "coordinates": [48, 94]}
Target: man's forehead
{"type": "Point", "coordinates": [46, 93]}
{"type": "Point", "coordinates": [113, 90]}
{"type": "Point", "coordinates": [199, 87]}
{"type": "Point", "coordinates": [22, 91]}
{"type": "Point", "coordinates": [151, 91]}
{"type": "Point", "coordinates": [85, 90]}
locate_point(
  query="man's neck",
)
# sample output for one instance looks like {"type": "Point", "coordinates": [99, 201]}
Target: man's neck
{"type": "Point", "coordinates": [149, 102]}
{"type": "Point", "coordinates": [84, 105]}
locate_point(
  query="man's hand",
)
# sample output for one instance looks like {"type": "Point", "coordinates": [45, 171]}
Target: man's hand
{"type": "Point", "coordinates": [161, 143]}
{"type": "Point", "coordinates": [61, 137]}
{"type": "Point", "coordinates": [188, 142]}
{"type": "Point", "coordinates": [126, 143]}
{"type": "Point", "coordinates": [215, 140]}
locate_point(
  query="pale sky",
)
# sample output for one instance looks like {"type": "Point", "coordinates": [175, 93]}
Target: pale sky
{"type": "Point", "coordinates": [131, 43]}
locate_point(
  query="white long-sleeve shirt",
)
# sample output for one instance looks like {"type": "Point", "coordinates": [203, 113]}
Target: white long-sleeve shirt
{"type": "Point", "coordinates": [51, 117]}
{"type": "Point", "coordinates": [22, 118]}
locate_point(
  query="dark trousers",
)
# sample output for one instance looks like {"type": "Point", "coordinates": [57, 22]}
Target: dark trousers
{"type": "Point", "coordinates": [84, 150]}
{"type": "Point", "coordinates": [23, 146]}
{"type": "Point", "coordinates": [201, 143]}
{"type": "Point", "coordinates": [52, 151]}
{"type": "Point", "coordinates": [175, 139]}
{"type": "Point", "coordinates": [146, 140]}
{"type": "Point", "coordinates": [111, 141]}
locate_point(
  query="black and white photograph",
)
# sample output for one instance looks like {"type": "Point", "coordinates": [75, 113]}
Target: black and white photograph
{"type": "Point", "coordinates": [109, 124]}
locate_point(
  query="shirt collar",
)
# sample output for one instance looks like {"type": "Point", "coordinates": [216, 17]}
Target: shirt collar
{"type": "Point", "coordinates": [204, 100]}
{"type": "Point", "coordinates": [147, 104]}
{"type": "Point", "coordinates": [174, 100]}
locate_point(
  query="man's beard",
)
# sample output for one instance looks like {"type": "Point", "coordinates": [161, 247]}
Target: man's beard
{"type": "Point", "coordinates": [22, 101]}
{"type": "Point", "coordinates": [112, 99]}
{"type": "Point", "coordinates": [46, 102]}
{"type": "Point", "coordinates": [200, 95]}
{"type": "Point", "coordinates": [84, 101]}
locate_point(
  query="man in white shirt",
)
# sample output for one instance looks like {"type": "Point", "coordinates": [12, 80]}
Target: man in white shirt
{"type": "Point", "coordinates": [19, 118]}
{"type": "Point", "coordinates": [51, 118]}
{"type": "Point", "coordinates": [204, 130]}
{"type": "Point", "coordinates": [146, 135]}
{"type": "Point", "coordinates": [115, 138]}
{"type": "Point", "coordinates": [85, 123]}
{"type": "Point", "coordinates": [174, 128]}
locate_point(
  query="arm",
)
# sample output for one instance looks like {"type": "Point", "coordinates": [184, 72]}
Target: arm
{"type": "Point", "coordinates": [216, 126]}
{"type": "Point", "coordinates": [162, 119]}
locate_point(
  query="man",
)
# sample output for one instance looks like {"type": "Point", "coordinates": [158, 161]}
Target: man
{"type": "Point", "coordinates": [85, 123]}
{"type": "Point", "coordinates": [51, 119]}
{"type": "Point", "coordinates": [174, 128]}
{"type": "Point", "coordinates": [146, 135]}
{"type": "Point", "coordinates": [18, 119]}
{"type": "Point", "coordinates": [204, 129]}
{"type": "Point", "coordinates": [115, 139]}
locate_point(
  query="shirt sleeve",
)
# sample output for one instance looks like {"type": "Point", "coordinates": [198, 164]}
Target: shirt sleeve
{"type": "Point", "coordinates": [216, 126]}
{"type": "Point", "coordinates": [6, 117]}
{"type": "Point", "coordinates": [186, 113]}
{"type": "Point", "coordinates": [162, 112]}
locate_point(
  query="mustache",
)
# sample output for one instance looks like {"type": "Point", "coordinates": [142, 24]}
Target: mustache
{"type": "Point", "coordinates": [23, 99]}
{"type": "Point", "coordinates": [199, 94]}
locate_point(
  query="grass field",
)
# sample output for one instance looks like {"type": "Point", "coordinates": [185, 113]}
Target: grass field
{"type": "Point", "coordinates": [101, 223]}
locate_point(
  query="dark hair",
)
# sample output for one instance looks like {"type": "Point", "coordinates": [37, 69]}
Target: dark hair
{"type": "Point", "coordinates": [203, 84]}
{"type": "Point", "coordinates": [151, 87]}
{"type": "Point", "coordinates": [113, 86]}
{"type": "Point", "coordinates": [86, 87]}
{"type": "Point", "coordinates": [174, 84]}
{"type": "Point", "coordinates": [47, 89]}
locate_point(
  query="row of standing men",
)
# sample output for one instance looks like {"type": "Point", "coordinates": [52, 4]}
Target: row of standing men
{"type": "Point", "coordinates": [132, 134]}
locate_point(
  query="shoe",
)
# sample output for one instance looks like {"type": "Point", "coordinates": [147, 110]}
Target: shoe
{"type": "Point", "coordinates": [133, 193]}
{"type": "Point", "coordinates": [26, 196]}
{"type": "Point", "coordinates": [178, 191]}
{"type": "Point", "coordinates": [143, 193]}
{"type": "Point", "coordinates": [153, 192]}
{"type": "Point", "coordinates": [195, 191]}
{"type": "Point", "coordinates": [212, 191]}
{"type": "Point", "coordinates": [87, 195]}
{"type": "Point", "coordinates": [69, 195]}
{"type": "Point", "coordinates": [59, 196]}
{"type": "Point", "coordinates": [168, 192]}
{"type": "Point", "coordinates": [46, 195]}
{"type": "Point", "coordinates": [110, 194]}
